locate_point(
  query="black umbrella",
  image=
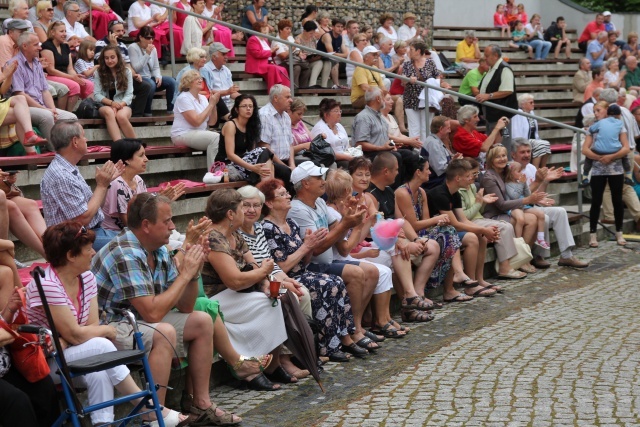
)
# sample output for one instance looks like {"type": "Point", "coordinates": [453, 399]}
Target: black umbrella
{"type": "Point", "coordinates": [300, 340]}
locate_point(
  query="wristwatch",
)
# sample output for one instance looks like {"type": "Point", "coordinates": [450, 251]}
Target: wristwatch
{"type": "Point", "coordinates": [491, 95]}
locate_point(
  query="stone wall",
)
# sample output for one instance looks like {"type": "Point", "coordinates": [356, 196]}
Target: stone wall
{"type": "Point", "coordinates": [365, 11]}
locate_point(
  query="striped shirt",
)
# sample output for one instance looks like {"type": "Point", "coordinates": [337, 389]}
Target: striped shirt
{"type": "Point", "coordinates": [57, 295]}
{"type": "Point", "coordinates": [258, 245]}
{"type": "Point", "coordinates": [276, 131]}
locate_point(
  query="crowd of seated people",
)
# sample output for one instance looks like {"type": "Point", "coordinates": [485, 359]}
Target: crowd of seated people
{"type": "Point", "coordinates": [303, 223]}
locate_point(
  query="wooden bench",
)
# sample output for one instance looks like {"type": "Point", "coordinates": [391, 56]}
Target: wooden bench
{"type": "Point", "coordinates": [133, 120]}
{"type": "Point", "coordinates": [560, 148]}
{"type": "Point", "coordinates": [439, 28]}
{"type": "Point", "coordinates": [31, 162]}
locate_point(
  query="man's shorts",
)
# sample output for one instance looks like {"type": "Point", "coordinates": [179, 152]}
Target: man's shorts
{"type": "Point", "coordinates": [124, 333]}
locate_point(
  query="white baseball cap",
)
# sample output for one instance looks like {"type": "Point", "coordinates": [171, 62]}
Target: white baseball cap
{"type": "Point", "coordinates": [305, 170]}
{"type": "Point", "coordinates": [369, 49]}
{"type": "Point", "coordinates": [607, 13]}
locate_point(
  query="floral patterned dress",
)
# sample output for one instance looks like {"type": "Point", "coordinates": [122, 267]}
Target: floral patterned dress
{"type": "Point", "coordinates": [447, 238]}
{"type": "Point", "coordinates": [330, 302]}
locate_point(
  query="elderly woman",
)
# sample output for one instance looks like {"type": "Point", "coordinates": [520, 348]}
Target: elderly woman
{"type": "Point", "coordinates": [359, 42]}
{"type": "Point", "coordinates": [197, 58]}
{"type": "Point", "coordinates": [247, 161]}
{"type": "Point", "coordinates": [613, 78]}
{"type": "Point", "coordinates": [195, 30]}
{"type": "Point", "coordinates": [44, 13]}
{"type": "Point", "coordinates": [60, 65]}
{"type": "Point", "coordinates": [395, 132]}
{"type": "Point", "coordinates": [241, 286]}
{"type": "Point", "coordinates": [309, 38]}
{"type": "Point", "coordinates": [439, 150]}
{"type": "Point", "coordinates": [193, 113]}
{"type": "Point", "coordinates": [301, 135]}
{"type": "Point", "coordinates": [338, 190]}
{"type": "Point", "coordinates": [467, 140]}
{"type": "Point", "coordinates": [493, 182]}
{"type": "Point", "coordinates": [252, 232]}
{"type": "Point", "coordinates": [258, 54]}
{"type": "Point", "coordinates": [631, 48]}
{"type": "Point", "coordinates": [330, 301]}
{"type": "Point", "coordinates": [301, 70]}
{"type": "Point", "coordinates": [334, 133]}
{"type": "Point", "coordinates": [144, 60]}
{"type": "Point", "coordinates": [419, 68]}
{"type": "Point", "coordinates": [534, 35]}
{"type": "Point", "coordinates": [386, 26]}
{"type": "Point", "coordinates": [72, 294]}
{"type": "Point", "coordinates": [19, 9]}
{"type": "Point", "coordinates": [606, 145]}
{"type": "Point", "coordinates": [473, 201]}
{"type": "Point", "coordinates": [324, 23]}
{"type": "Point", "coordinates": [524, 127]}
{"type": "Point", "coordinates": [467, 51]}
{"type": "Point", "coordinates": [113, 73]}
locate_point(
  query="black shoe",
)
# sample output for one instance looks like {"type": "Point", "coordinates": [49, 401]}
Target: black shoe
{"type": "Point", "coordinates": [279, 375]}
{"type": "Point", "coordinates": [261, 383]}
{"type": "Point", "coordinates": [339, 357]}
{"type": "Point", "coordinates": [355, 350]}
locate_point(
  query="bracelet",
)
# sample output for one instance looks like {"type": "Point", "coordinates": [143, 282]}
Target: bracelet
{"type": "Point", "coordinates": [183, 250]}
{"type": "Point", "coordinates": [196, 278]}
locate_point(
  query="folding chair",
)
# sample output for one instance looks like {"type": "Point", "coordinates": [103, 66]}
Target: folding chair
{"type": "Point", "coordinates": [68, 371]}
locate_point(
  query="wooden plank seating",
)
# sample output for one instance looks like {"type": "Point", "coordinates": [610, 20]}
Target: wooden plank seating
{"type": "Point", "coordinates": [99, 154]}
{"type": "Point", "coordinates": [323, 91]}
{"type": "Point", "coordinates": [200, 187]}
{"type": "Point", "coordinates": [560, 148]}
{"type": "Point", "coordinates": [436, 28]}
{"type": "Point", "coordinates": [133, 120]}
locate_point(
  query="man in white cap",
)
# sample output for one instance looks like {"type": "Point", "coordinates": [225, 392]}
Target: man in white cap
{"type": "Point", "coordinates": [408, 30]}
{"type": "Point", "coordinates": [310, 212]}
{"type": "Point", "coordinates": [364, 79]}
{"type": "Point", "coordinates": [610, 26]}
{"type": "Point", "coordinates": [222, 80]}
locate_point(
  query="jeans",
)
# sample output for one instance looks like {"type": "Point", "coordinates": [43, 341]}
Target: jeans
{"type": "Point", "coordinates": [168, 84]}
{"type": "Point", "coordinates": [102, 237]}
{"type": "Point", "coordinates": [541, 48]}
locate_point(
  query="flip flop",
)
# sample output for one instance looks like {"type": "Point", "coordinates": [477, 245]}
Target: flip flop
{"type": "Point", "coordinates": [512, 275]}
{"type": "Point", "coordinates": [458, 297]}
{"type": "Point", "coordinates": [479, 293]}
{"type": "Point", "coordinates": [467, 283]}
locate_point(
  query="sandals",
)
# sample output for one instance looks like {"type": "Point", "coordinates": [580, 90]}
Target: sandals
{"type": "Point", "coordinates": [512, 275]}
{"type": "Point", "coordinates": [260, 360]}
{"type": "Point", "coordinates": [499, 289]}
{"type": "Point", "coordinates": [373, 336]}
{"type": "Point", "coordinates": [416, 303]}
{"type": "Point", "coordinates": [413, 315]}
{"type": "Point", "coordinates": [208, 417]}
{"type": "Point", "coordinates": [461, 297]}
{"type": "Point", "coordinates": [467, 283]}
{"type": "Point", "coordinates": [259, 383]}
{"type": "Point", "coordinates": [339, 357]}
{"type": "Point", "coordinates": [479, 293]}
{"type": "Point", "coordinates": [171, 420]}
{"type": "Point", "coordinates": [528, 269]}
{"type": "Point", "coordinates": [355, 350]}
{"type": "Point", "coordinates": [365, 342]}
{"type": "Point", "coordinates": [388, 330]}
{"type": "Point", "coordinates": [619, 239]}
{"type": "Point", "coordinates": [279, 375]}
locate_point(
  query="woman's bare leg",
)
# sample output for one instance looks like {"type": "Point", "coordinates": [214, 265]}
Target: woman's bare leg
{"type": "Point", "coordinates": [21, 228]}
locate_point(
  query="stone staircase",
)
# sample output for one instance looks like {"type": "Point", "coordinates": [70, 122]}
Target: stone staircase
{"type": "Point", "coordinates": [548, 81]}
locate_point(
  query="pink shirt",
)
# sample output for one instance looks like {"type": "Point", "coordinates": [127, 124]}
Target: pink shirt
{"type": "Point", "coordinates": [499, 19]}
{"type": "Point", "coordinates": [301, 134]}
{"type": "Point", "coordinates": [57, 295]}
{"type": "Point", "coordinates": [117, 201]}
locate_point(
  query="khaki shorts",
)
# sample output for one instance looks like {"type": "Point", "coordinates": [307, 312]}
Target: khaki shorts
{"type": "Point", "coordinates": [124, 333]}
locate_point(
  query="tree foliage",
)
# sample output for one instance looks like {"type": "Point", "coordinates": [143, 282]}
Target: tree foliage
{"type": "Point", "coordinates": [611, 5]}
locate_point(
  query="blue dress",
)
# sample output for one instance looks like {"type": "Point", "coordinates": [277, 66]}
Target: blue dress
{"type": "Point", "coordinates": [330, 303]}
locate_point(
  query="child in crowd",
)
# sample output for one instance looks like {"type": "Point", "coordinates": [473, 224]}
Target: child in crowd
{"type": "Point", "coordinates": [518, 39]}
{"type": "Point", "coordinates": [603, 143]}
{"type": "Point", "coordinates": [500, 21]}
{"type": "Point", "coordinates": [517, 188]}
{"type": "Point", "coordinates": [522, 15]}
{"type": "Point", "coordinates": [84, 64]}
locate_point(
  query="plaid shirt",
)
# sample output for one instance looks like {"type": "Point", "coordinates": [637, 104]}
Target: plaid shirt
{"type": "Point", "coordinates": [276, 131]}
{"type": "Point", "coordinates": [65, 194]}
{"type": "Point", "coordinates": [122, 272]}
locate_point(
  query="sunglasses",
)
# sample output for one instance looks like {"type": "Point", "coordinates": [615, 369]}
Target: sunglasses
{"type": "Point", "coordinates": [81, 232]}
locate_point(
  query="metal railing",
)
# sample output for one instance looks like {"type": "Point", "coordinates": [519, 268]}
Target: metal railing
{"type": "Point", "coordinates": [426, 86]}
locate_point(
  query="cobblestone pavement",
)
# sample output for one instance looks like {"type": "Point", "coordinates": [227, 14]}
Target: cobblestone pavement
{"type": "Point", "coordinates": [559, 348]}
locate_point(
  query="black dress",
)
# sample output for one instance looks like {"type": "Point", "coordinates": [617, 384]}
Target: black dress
{"type": "Point", "coordinates": [61, 60]}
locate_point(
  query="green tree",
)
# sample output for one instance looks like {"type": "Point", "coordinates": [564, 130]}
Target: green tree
{"type": "Point", "coordinates": [611, 5]}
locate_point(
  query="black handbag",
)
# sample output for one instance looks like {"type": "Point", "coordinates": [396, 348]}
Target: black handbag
{"type": "Point", "coordinates": [88, 109]}
{"type": "Point", "coordinates": [320, 152]}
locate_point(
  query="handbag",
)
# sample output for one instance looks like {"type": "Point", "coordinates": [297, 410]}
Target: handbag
{"type": "Point", "coordinates": [10, 190]}
{"type": "Point", "coordinates": [88, 109]}
{"type": "Point", "coordinates": [26, 355]}
{"type": "Point", "coordinates": [320, 152]}
{"type": "Point", "coordinates": [522, 257]}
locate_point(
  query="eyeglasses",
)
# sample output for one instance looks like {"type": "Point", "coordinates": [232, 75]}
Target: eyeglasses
{"type": "Point", "coordinates": [74, 10]}
{"type": "Point", "coordinates": [337, 111]}
{"type": "Point", "coordinates": [147, 37]}
{"type": "Point", "coordinates": [256, 206]}
{"type": "Point", "coordinates": [81, 232]}
{"type": "Point", "coordinates": [247, 106]}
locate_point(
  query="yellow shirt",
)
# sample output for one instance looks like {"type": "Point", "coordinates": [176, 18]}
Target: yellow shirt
{"type": "Point", "coordinates": [364, 76]}
{"type": "Point", "coordinates": [463, 50]}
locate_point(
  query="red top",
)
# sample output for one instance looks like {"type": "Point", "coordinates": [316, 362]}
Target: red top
{"type": "Point", "coordinates": [592, 27]}
{"type": "Point", "coordinates": [468, 144]}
